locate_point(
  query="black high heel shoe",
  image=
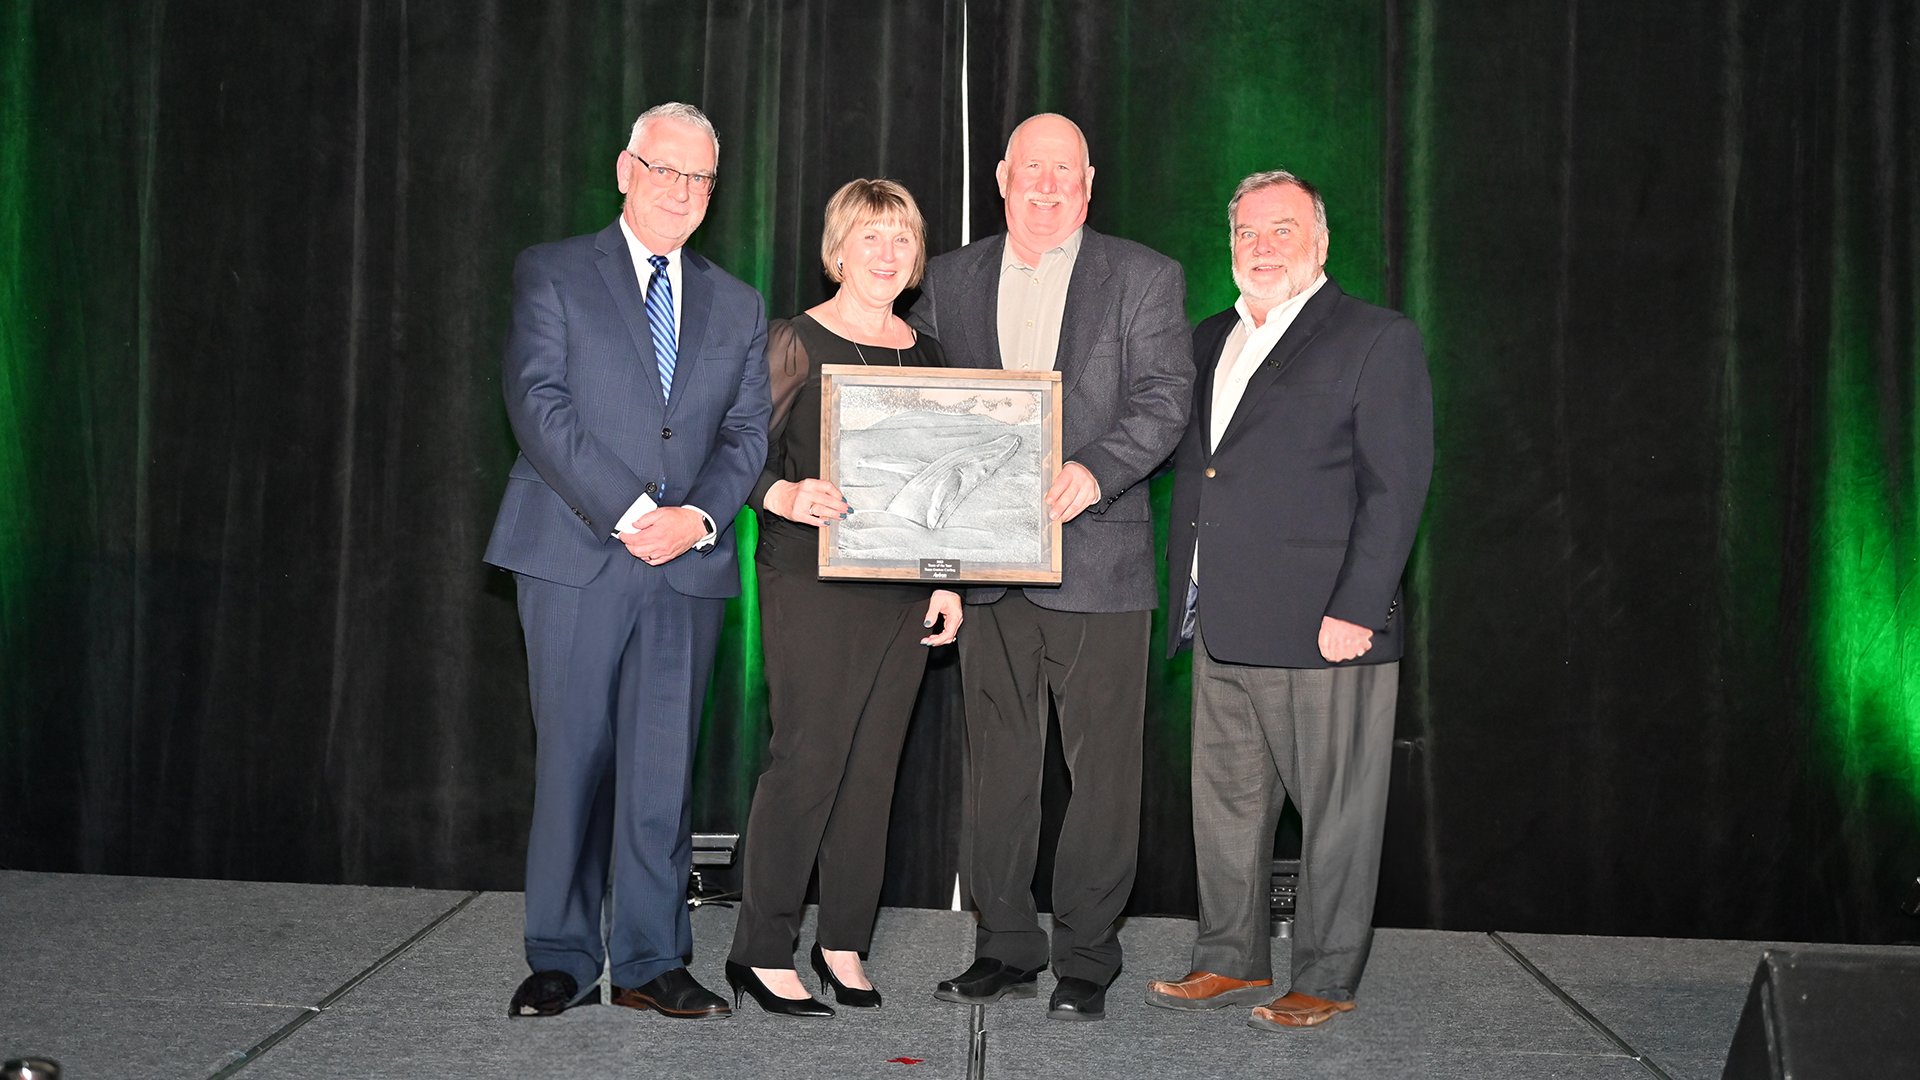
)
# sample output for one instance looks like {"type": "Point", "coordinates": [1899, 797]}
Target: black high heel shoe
{"type": "Point", "coordinates": [746, 983]}
{"type": "Point", "coordinates": [842, 993]}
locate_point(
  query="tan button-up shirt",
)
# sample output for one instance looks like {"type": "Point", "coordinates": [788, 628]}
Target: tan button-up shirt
{"type": "Point", "coordinates": [1032, 302]}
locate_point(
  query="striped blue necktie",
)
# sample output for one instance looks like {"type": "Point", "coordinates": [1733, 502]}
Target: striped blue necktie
{"type": "Point", "coordinates": [660, 319]}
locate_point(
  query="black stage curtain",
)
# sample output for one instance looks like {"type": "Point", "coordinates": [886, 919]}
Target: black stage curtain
{"type": "Point", "coordinates": [1663, 254]}
{"type": "Point", "coordinates": [1665, 258]}
{"type": "Point", "coordinates": [265, 253]}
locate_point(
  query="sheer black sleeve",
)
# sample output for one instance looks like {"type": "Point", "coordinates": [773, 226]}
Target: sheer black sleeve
{"type": "Point", "coordinates": [787, 367]}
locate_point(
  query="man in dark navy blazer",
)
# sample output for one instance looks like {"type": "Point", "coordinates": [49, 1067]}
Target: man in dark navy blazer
{"type": "Point", "coordinates": [1298, 488]}
{"type": "Point", "coordinates": [636, 383]}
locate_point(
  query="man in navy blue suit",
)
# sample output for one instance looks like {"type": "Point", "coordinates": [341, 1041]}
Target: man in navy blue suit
{"type": "Point", "coordinates": [636, 383]}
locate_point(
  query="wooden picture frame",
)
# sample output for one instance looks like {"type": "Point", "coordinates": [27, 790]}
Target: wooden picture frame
{"type": "Point", "coordinates": [947, 471]}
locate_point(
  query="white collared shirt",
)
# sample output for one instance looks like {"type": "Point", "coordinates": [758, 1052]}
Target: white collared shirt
{"type": "Point", "coordinates": [1246, 347]}
{"type": "Point", "coordinates": [643, 270]}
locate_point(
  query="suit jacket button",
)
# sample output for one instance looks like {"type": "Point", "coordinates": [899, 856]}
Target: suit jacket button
{"type": "Point", "coordinates": [1209, 472]}
{"type": "Point", "coordinates": [666, 433]}
{"type": "Point", "coordinates": [652, 488]}
{"type": "Point", "coordinates": [1193, 524]}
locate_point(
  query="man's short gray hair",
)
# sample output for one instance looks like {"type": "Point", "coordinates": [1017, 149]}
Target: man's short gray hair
{"type": "Point", "coordinates": [674, 110]}
{"type": "Point", "coordinates": [1276, 178]}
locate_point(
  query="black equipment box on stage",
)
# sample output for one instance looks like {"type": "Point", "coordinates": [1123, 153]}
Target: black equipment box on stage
{"type": "Point", "coordinates": [1829, 1014]}
{"type": "Point", "coordinates": [1286, 887]}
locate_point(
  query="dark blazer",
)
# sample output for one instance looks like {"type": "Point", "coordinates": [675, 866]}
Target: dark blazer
{"type": "Point", "coordinates": [1126, 373]}
{"type": "Point", "coordinates": [583, 396]}
{"type": "Point", "coordinates": [1309, 505]}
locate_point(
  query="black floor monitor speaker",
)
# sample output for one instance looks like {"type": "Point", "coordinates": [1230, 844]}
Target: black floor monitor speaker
{"type": "Point", "coordinates": [1812, 1015]}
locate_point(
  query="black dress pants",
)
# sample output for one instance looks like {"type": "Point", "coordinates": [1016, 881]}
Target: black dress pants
{"type": "Point", "coordinates": [1014, 656]}
{"type": "Point", "coordinates": [843, 666]}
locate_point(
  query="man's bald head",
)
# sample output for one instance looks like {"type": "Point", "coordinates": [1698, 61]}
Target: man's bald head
{"type": "Point", "coordinates": [1047, 119]}
{"type": "Point", "coordinates": [1046, 181]}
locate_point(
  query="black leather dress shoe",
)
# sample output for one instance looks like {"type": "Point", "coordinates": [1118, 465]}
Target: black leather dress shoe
{"type": "Point", "coordinates": [675, 994]}
{"type": "Point", "coordinates": [549, 993]}
{"type": "Point", "coordinates": [988, 981]}
{"type": "Point", "coordinates": [1077, 999]}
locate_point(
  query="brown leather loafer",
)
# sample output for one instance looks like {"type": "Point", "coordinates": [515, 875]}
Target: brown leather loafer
{"type": "Point", "coordinates": [1205, 990]}
{"type": "Point", "coordinates": [1296, 1010]}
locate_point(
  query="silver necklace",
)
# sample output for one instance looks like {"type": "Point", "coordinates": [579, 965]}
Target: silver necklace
{"type": "Point", "coordinates": [857, 350]}
{"type": "Point", "coordinates": [897, 362]}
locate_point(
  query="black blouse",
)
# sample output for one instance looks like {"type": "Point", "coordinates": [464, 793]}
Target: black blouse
{"type": "Point", "coordinates": [796, 348]}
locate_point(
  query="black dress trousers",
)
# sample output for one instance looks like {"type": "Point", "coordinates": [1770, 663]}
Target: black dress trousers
{"type": "Point", "coordinates": [843, 664]}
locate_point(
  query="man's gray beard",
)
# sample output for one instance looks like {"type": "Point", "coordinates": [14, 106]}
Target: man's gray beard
{"type": "Point", "coordinates": [1273, 298]}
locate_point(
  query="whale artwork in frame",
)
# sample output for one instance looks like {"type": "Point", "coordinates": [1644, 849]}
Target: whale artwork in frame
{"type": "Point", "coordinates": [947, 471]}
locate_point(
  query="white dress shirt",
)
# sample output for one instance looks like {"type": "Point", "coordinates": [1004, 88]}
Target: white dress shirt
{"type": "Point", "coordinates": [1245, 349]}
{"type": "Point", "coordinates": [643, 270]}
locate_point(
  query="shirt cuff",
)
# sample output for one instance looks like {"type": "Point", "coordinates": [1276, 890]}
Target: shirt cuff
{"type": "Point", "coordinates": [706, 542]}
{"type": "Point", "coordinates": [645, 505]}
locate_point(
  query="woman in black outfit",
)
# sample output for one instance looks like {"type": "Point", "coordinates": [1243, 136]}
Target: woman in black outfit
{"type": "Point", "coordinates": [843, 659]}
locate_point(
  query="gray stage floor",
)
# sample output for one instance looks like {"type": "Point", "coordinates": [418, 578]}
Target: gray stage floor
{"type": "Point", "coordinates": [158, 979]}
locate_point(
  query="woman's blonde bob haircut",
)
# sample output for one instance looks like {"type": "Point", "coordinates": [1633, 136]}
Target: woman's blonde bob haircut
{"type": "Point", "coordinates": [863, 202]}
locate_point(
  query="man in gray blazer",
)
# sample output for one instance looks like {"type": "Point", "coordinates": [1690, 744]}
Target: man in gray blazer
{"type": "Point", "coordinates": [636, 382]}
{"type": "Point", "coordinates": [1108, 314]}
{"type": "Point", "coordinates": [1298, 488]}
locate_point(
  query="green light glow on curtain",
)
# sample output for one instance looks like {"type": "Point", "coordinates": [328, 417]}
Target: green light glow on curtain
{"type": "Point", "coordinates": [744, 669]}
{"type": "Point", "coordinates": [17, 345]}
{"type": "Point", "coordinates": [1866, 612]}
{"type": "Point", "coordinates": [745, 247]}
{"type": "Point", "coordinates": [1320, 117]}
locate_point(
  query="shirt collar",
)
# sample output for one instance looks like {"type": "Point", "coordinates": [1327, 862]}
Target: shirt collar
{"type": "Point", "coordinates": [1283, 314]}
{"type": "Point", "coordinates": [641, 253]}
{"type": "Point", "coordinates": [1070, 248]}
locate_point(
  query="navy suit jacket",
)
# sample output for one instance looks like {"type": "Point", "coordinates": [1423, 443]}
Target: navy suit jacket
{"type": "Point", "coordinates": [1126, 370]}
{"type": "Point", "coordinates": [1309, 505]}
{"type": "Point", "coordinates": [583, 395]}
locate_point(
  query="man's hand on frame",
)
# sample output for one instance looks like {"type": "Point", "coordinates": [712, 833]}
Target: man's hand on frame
{"type": "Point", "coordinates": [1073, 490]}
